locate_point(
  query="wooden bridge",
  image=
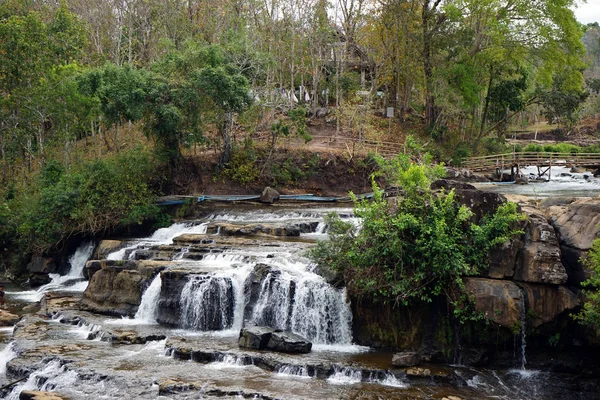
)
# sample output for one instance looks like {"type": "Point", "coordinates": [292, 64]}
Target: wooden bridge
{"type": "Point", "coordinates": [542, 160]}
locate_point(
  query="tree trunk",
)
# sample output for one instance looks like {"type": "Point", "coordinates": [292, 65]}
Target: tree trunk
{"type": "Point", "coordinates": [430, 113]}
{"type": "Point", "coordinates": [225, 128]}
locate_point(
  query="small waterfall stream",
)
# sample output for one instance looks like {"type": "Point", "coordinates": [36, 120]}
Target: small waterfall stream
{"type": "Point", "coordinates": [148, 306]}
{"type": "Point", "coordinates": [523, 329]}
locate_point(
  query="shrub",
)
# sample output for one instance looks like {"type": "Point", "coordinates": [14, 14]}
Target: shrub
{"type": "Point", "coordinates": [417, 246]}
{"type": "Point", "coordinates": [590, 312]}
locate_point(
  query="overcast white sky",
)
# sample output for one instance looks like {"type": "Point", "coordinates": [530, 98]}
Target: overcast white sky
{"type": "Point", "coordinates": [588, 12]}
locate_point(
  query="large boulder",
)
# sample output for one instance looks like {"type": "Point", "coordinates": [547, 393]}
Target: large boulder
{"type": "Point", "coordinates": [269, 196]}
{"type": "Point", "coordinates": [499, 300]}
{"type": "Point", "coordinates": [42, 265]}
{"type": "Point", "coordinates": [577, 224]}
{"type": "Point", "coordinates": [265, 338]}
{"type": "Point", "coordinates": [228, 229]}
{"type": "Point", "coordinates": [406, 359]}
{"type": "Point", "coordinates": [117, 288]}
{"type": "Point", "coordinates": [288, 342]}
{"type": "Point", "coordinates": [8, 318]}
{"type": "Point", "coordinates": [169, 307]}
{"type": "Point", "coordinates": [540, 260]}
{"type": "Point", "coordinates": [256, 337]}
{"type": "Point", "coordinates": [105, 247]}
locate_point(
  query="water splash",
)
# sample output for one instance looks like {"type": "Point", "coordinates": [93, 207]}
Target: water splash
{"type": "Point", "coordinates": [345, 376]}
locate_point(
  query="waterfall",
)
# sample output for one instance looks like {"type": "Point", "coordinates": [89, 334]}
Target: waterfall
{"type": "Point", "coordinates": [308, 306]}
{"type": "Point", "coordinates": [72, 281]}
{"type": "Point", "coordinates": [345, 375]}
{"type": "Point", "coordinates": [523, 329]}
{"type": "Point", "coordinates": [207, 303]}
{"type": "Point", "coordinates": [52, 376]}
{"type": "Point", "coordinates": [79, 258]}
{"type": "Point", "coordinates": [148, 306]}
{"type": "Point", "coordinates": [7, 354]}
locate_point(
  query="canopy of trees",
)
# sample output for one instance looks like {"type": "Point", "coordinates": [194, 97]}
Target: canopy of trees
{"type": "Point", "coordinates": [75, 68]}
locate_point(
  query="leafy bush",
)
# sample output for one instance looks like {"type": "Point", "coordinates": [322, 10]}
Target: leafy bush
{"type": "Point", "coordinates": [590, 313]}
{"type": "Point", "coordinates": [242, 168]}
{"type": "Point", "coordinates": [414, 247]}
{"type": "Point", "coordinates": [98, 196]}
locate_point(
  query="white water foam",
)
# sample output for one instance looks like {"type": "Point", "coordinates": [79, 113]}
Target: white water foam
{"type": "Point", "coordinates": [163, 236]}
{"type": "Point", "coordinates": [52, 376]}
{"type": "Point", "coordinates": [345, 376]}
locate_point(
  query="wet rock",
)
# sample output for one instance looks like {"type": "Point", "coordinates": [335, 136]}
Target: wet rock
{"type": "Point", "coordinates": [418, 372]}
{"type": "Point", "coordinates": [8, 318]}
{"type": "Point", "coordinates": [577, 170]}
{"type": "Point", "coordinates": [521, 180]}
{"type": "Point", "coordinates": [287, 342]}
{"type": "Point", "coordinates": [105, 247]}
{"type": "Point", "coordinates": [41, 265]}
{"type": "Point", "coordinates": [169, 307]}
{"type": "Point", "coordinates": [540, 261]}
{"type": "Point", "coordinates": [116, 289]}
{"type": "Point", "coordinates": [451, 398]}
{"type": "Point", "coordinates": [547, 302]}
{"type": "Point", "coordinates": [265, 338]}
{"type": "Point", "coordinates": [269, 196]}
{"type": "Point", "coordinates": [256, 337]}
{"type": "Point", "coordinates": [406, 359]}
{"type": "Point", "coordinates": [38, 395]}
{"type": "Point", "coordinates": [130, 337]}
{"type": "Point", "coordinates": [38, 279]}
{"type": "Point", "coordinates": [499, 300]}
{"type": "Point", "coordinates": [227, 229]}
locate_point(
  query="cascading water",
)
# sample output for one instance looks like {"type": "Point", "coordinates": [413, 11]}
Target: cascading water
{"type": "Point", "coordinates": [207, 303]}
{"type": "Point", "coordinates": [7, 354]}
{"type": "Point", "coordinates": [72, 281]}
{"type": "Point", "coordinates": [147, 310]}
{"type": "Point", "coordinates": [307, 306]}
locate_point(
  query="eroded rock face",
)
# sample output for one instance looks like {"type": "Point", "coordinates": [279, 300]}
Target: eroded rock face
{"type": "Point", "coordinates": [547, 302]}
{"type": "Point", "coordinates": [540, 260]}
{"type": "Point", "coordinates": [504, 258]}
{"type": "Point", "coordinates": [577, 227]}
{"type": "Point", "coordinates": [480, 202]}
{"type": "Point", "coordinates": [499, 300]}
{"type": "Point", "coordinates": [116, 289]}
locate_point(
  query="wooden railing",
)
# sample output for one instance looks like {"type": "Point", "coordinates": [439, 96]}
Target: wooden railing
{"type": "Point", "coordinates": [540, 159]}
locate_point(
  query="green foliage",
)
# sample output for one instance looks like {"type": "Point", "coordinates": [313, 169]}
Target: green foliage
{"type": "Point", "coordinates": [243, 168]}
{"type": "Point", "coordinates": [97, 196]}
{"type": "Point", "coordinates": [562, 104]}
{"type": "Point", "coordinates": [590, 312]}
{"type": "Point", "coordinates": [417, 246]}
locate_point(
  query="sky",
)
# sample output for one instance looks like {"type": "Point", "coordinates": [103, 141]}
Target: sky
{"type": "Point", "coordinates": [588, 12]}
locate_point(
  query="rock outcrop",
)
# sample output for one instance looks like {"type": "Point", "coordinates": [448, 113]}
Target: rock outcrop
{"type": "Point", "coordinates": [540, 261]}
{"type": "Point", "coordinates": [577, 227]}
{"type": "Point", "coordinates": [499, 300]}
{"type": "Point", "coordinates": [117, 287]}
{"type": "Point", "coordinates": [265, 338]}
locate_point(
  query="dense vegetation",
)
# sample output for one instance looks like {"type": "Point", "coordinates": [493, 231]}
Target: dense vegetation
{"type": "Point", "coordinates": [415, 247]}
{"type": "Point", "coordinates": [590, 313]}
{"type": "Point", "coordinates": [83, 82]}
